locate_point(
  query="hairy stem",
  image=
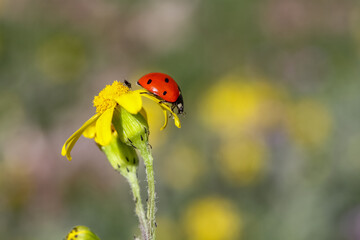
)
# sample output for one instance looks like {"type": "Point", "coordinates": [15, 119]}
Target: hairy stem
{"type": "Point", "coordinates": [139, 210]}
{"type": "Point", "coordinates": [151, 208]}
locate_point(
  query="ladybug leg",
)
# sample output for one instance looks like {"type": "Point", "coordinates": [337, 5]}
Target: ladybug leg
{"type": "Point", "coordinates": [149, 93]}
{"type": "Point", "coordinates": [127, 83]}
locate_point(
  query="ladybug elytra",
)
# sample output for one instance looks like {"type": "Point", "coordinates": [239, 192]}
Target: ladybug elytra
{"type": "Point", "coordinates": [164, 87]}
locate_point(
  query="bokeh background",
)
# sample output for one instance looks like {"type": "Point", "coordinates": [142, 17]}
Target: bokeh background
{"type": "Point", "coordinates": [269, 145]}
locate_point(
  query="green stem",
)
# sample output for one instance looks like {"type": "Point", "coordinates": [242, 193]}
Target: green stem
{"type": "Point", "coordinates": [151, 208]}
{"type": "Point", "coordinates": [139, 210]}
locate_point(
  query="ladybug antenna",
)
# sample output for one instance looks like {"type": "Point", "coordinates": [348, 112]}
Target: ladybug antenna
{"type": "Point", "coordinates": [127, 83]}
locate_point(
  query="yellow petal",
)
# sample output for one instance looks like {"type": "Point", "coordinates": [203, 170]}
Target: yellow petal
{"type": "Point", "coordinates": [177, 121]}
{"type": "Point", "coordinates": [176, 118]}
{"type": "Point", "coordinates": [166, 120]}
{"type": "Point", "coordinates": [131, 101]}
{"type": "Point", "coordinates": [69, 144]}
{"type": "Point", "coordinates": [90, 131]}
{"type": "Point", "coordinates": [103, 127]}
{"type": "Point", "coordinates": [163, 105]}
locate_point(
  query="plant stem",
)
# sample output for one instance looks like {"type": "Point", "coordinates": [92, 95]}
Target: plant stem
{"type": "Point", "coordinates": [151, 208]}
{"type": "Point", "coordinates": [139, 210]}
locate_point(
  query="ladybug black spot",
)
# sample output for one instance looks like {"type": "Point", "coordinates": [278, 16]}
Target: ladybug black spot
{"type": "Point", "coordinates": [164, 93]}
{"type": "Point", "coordinates": [149, 81]}
{"type": "Point", "coordinates": [166, 80]}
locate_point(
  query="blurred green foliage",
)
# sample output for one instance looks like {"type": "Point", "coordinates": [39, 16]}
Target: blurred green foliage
{"type": "Point", "coordinates": [270, 138]}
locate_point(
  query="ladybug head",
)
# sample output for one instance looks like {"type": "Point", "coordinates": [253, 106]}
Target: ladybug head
{"type": "Point", "coordinates": [179, 104]}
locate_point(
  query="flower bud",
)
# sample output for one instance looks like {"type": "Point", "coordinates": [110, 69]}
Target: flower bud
{"type": "Point", "coordinates": [81, 233]}
{"type": "Point", "coordinates": [132, 129]}
{"type": "Point", "coordinates": [122, 157]}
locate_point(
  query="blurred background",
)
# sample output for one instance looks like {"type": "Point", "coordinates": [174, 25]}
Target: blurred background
{"type": "Point", "coordinates": [269, 145]}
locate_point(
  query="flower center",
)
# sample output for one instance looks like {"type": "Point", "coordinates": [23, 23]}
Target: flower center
{"type": "Point", "coordinates": [106, 98]}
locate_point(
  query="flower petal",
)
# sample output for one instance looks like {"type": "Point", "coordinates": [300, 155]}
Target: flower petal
{"type": "Point", "coordinates": [131, 101]}
{"type": "Point", "coordinates": [69, 144]}
{"type": "Point", "coordinates": [166, 120]}
{"type": "Point", "coordinates": [177, 121]}
{"type": "Point", "coordinates": [103, 127]}
{"type": "Point", "coordinates": [175, 117]}
{"type": "Point", "coordinates": [163, 105]}
{"type": "Point", "coordinates": [90, 132]}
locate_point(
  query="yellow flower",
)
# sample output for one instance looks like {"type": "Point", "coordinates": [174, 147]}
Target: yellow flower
{"type": "Point", "coordinates": [212, 218]}
{"type": "Point", "coordinates": [310, 123]}
{"type": "Point", "coordinates": [113, 97]}
{"type": "Point", "coordinates": [81, 233]}
{"type": "Point", "coordinates": [169, 229]}
{"type": "Point", "coordinates": [62, 57]}
{"type": "Point", "coordinates": [183, 170]}
{"type": "Point", "coordinates": [236, 105]}
{"type": "Point", "coordinates": [242, 161]}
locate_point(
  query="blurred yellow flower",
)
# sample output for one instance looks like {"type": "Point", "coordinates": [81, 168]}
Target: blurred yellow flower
{"type": "Point", "coordinates": [62, 57]}
{"type": "Point", "coordinates": [310, 123]}
{"type": "Point", "coordinates": [242, 162]}
{"type": "Point", "coordinates": [100, 125]}
{"type": "Point", "coordinates": [235, 104]}
{"type": "Point", "coordinates": [167, 229]}
{"type": "Point", "coordinates": [212, 218]}
{"type": "Point", "coordinates": [183, 168]}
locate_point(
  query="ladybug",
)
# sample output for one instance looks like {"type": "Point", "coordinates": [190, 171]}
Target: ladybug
{"type": "Point", "coordinates": [164, 87]}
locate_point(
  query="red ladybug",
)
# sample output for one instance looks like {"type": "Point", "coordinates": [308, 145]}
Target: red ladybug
{"type": "Point", "coordinates": [164, 87]}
